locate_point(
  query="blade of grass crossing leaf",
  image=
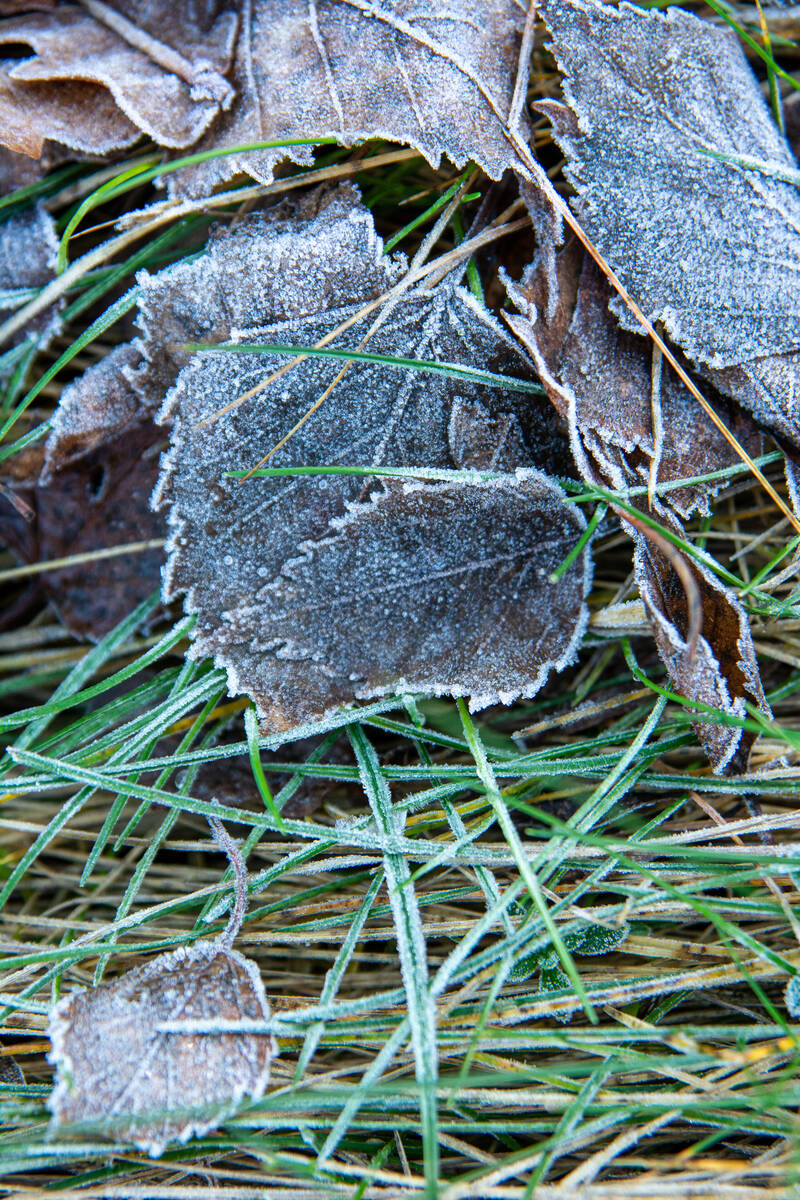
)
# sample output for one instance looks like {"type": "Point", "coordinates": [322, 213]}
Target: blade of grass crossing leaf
{"type": "Point", "coordinates": [452, 370]}
{"type": "Point", "coordinates": [486, 775]}
{"type": "Point", "coordinates": [412, 953]}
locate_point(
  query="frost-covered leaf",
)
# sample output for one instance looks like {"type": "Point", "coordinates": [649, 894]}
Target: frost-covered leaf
{"type": "Point", "coordinates": [440, 79]}
{"type": "Point", "coordinates": [91, 492]}
{"type": "Point", "coordinates": [28, 248]}
{"type": "Point", "coordinates": [119, 1070]}
{"type": "Point", "coordinates": [721, 670]}
{"type": "Point", "coordinates": [102, 73]}
{"type": "Point", "coordinates": [230, 538]}
{"type": "Point", "coordinates": [708, 247]}
{"type": "Point", "coordinates": [628, 412]}
{"type": "Point", "coordinates": [438, 588]}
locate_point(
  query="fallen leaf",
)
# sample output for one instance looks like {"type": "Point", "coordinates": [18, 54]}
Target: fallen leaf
{"type": "Point", "coordinates": [89, 492]}
{"type": "Point", "coordinates": [630, 417]}
{"type": "Point", "coordinates": [102, 74]}
{"type": "Point", "coordinates": [118, 1069]}
{"type": "Point", "coordinates": [28, 248]}
{"type": "Point", "coordinates": [710, 248]}
{"type": "Point", "coordinates": [437, 588]}
{"type": "Point", "coordinates": [230, 539]}
{"type": "Point", "coordinates": [721, 670]}
{"type": "Point", "coordinates": [439, 80]}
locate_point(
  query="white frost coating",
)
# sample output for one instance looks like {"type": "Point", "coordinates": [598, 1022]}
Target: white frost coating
{"type": "Point", "coordinates": [439, 81]}
{"type": "Point", "coordinates": [440, 588]}
{"type": "Point", "coordinates": [120, 1067]}
{"type": "Point", "coordinates": [96, 64]}
{"type": "Point", "coordinates": [710, 248]}
{"type": "Point", "coordinates": [257, 272]}
{"type": "Point", "coordinates": [227, 538]}
{"type": "Point", "coordinates": [115, 1069]}
{"type": "Point", "coordinates": [96, 406]}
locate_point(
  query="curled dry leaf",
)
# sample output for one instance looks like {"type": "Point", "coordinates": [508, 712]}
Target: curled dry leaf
{"type": "Point", "coordinates": [438, 79]}
{"type": "Point", "coordinates": [118, 1069]}
{"type": "Point", "coordinates": [230, 539]}
{"type": "Point", "coordinates": [630, 417]}
{"type": "Point", "coordinates": [28, 249]}
{"type": "Point", "coordinates": [721, 670]}
{"type": "Point", "coordinates": [102, 73]}
{"type": "Point", "coordinates": [91, 492]}
{"type": "Point", "coordinates": [708, 247]}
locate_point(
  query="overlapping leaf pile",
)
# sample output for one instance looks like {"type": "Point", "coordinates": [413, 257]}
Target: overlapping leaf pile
{"type": "Point", "coordinates": [314, 592]}
{"type": "Point", "coordinates": [389, 509]}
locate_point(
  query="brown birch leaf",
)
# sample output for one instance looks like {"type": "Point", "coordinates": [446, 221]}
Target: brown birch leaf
{"type": "Point", "coordinates": [230, 538]}
{"type": "Point", "coordinates": [721, 670]}
{"type": "Point", "coordinates": [28, 249]}
{"type": "Point", "coordinates": [628, 412]}
{"type": "Point", "coordinates": [100, 74]}
{"type": "Point", "coordinates": [437, 588]}
{"type": "Point", "coordinates": [141, 1083]}
{"type": "Point", "coordinates": [90, 491]}
{"type": "Point", "coordinates": [439, 80]}
{"type": "Point", "coordinates": [710, 248]}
